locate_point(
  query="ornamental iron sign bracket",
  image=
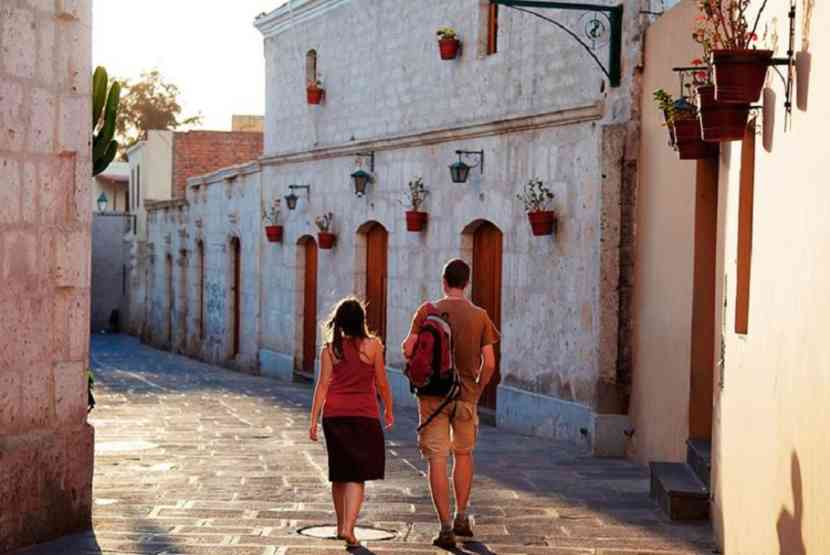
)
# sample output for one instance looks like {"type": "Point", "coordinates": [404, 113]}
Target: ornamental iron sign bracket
{"type": "Point", "coordinates": [598, 21]}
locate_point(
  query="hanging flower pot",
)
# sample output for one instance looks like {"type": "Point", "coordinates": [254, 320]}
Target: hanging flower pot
{"type": "Point", "coordinates": [274, 233]}
{"type": "Point", "coordinates": [690, 144]}
{"type": "Point", "coordinates": [326, 240]}
{"type": "Point", "coordinates": [739, 74]}
{"type": "Point", "coordinates": [416, 221]}
{"type": "Point", "coordinates": [720, 122]}
{"type": "Point", "coordinates": [314, 95]}
{"type": "Point", "coordinates": [542, 222]}
{"type": "Point", "coordinates": [448, 43]}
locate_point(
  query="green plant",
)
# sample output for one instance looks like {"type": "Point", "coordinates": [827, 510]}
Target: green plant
{"type": "Point", "coordinates": [665, 103]}
{"type": "Point", "coordinates": [324, 221]}
{"type": "Point", "coordinates": [724, 24]}
{"type": "Point", "coordinates": [535, 196]}
{"type": "Point", "coordinates": [272, 214]}
{"type": "Point", "coordinates": [417, 193]}
{"type": "Point", "coordinates": [104, 114]}
{"type": "Point", "coordinates": [315, 84]}
{"type": "Point", "coordinates": [446, 33]}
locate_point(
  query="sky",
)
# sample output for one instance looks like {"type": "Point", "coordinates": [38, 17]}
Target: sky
{"type": "Point", "coordinates": [208, 48]}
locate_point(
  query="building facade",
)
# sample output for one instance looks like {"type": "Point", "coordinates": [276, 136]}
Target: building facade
{"type": "Point", "coordinates": [521, 92]}
{"type": "Point", "coordinates": [46, 445]}
{"type": "Point", "coordinates": [113, 183]}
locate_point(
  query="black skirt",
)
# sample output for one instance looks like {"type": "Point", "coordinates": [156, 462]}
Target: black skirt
{"type": "Point", "coordinates": [356, 448]}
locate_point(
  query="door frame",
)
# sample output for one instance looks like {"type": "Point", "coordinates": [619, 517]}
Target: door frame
{"type": "Point", "coordinates": [236, 297]}
{"type": "Point", "coordinates": [305, 244]}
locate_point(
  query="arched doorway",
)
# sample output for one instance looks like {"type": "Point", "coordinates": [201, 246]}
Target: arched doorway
{"type": "Point", "coordinates": [486, 290]}
{"type": "Point", "coordinates": [377, 246]}
{"type": "Point", "coordinates": [236, 286]}
{"type": "Point", "coordinates": [307, 306]}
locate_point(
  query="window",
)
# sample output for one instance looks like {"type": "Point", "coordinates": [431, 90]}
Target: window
{"type": "Point", "coordinates": [745, 209]}
{"type": "Point", "coordinates": [311, 66]}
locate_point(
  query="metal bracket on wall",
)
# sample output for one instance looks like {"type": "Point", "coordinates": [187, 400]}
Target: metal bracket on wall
{"type": "Point", "coordinates": [595, 29]}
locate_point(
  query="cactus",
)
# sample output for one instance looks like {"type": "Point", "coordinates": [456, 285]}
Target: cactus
{"type": "Point", "coordinates": [104, 147]}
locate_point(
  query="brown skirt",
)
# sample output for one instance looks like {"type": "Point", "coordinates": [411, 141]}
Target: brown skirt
{"type": "Point", "coordinates": [356, 448]}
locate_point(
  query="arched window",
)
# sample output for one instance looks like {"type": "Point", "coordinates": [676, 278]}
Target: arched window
{"type": "Point", "coordinates": [311, 66]}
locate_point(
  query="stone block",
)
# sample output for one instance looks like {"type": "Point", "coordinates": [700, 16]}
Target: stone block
{"type": "Point", "coordinates": [53, 175]}
{"type": "Point", "coordinates": [70, 392]}
{"type": "Point", "coordinates": [74, 132]}
{"type": "Point", "coordinates": [19, 45]}
{"type": "Point", "coordinates": [74, 63]}
{"type": "Point", "coordinates": [78, 326]}
{"type": "Point", "coordinates": [42, 122]}
{"type": "Point", "coordinates": [13, 115]}
{"type": "Point", "coordinates": [29, 200]}
{"type": "Point", "coordinates": [46, 54]}
{"type": "Point", "coordinates": [36, 400]}
{"type": "Point", "coordinates": [10, 399]}
{"type": "Point", "coordinates": [73, 259]}
{"type": "Point", "coordinates": [9, 191]}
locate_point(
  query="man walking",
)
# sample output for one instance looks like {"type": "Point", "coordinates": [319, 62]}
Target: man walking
{"type": "Point", "coordinates": [455, 428]}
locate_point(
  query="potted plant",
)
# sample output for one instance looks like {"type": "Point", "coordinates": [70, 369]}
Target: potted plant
{"type": "Point", "coordinates": [739, 68]}
{"type": "Point", "coordinates": [315, 91]}
{"type": "Point", "coordinates": [325, 238]}
{"type": "Point", "coordinates": [537, 202]}
{"type": "Point", "coordinates": [415, 196]}
{"type": "Point", "coordinates": [719, 121]}
{"type": "Point", "coordinates": [448, 43]}
{"type": "Point", "coordinates": [271, 216]}
{"type": "Point", "coordinates": [681, 119]}
{"type": "Point", "coordinates": [665, 103]}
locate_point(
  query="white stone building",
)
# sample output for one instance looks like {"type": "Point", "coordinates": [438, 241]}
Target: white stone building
{"type": "Point", "coordinates": [537, 105]}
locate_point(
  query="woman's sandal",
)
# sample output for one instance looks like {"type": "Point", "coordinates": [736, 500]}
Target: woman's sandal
{"type": "Point", "coordinates": [351, 541]}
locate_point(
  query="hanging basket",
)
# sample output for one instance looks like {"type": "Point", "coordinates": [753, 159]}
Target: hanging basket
{"type": "Point", "coordinates": [690, 145]}
{"type": "Point", "coordinates": [315, 95]}
{"type": "Point", "coordinates": [416, 221]}
{"type": "Point", "coordinates": [739, 74]}
{"type": "Point", "coordinates": [449, 48]}
{"type": "Point", "coordinates": [542, 222]}
{"type": "Point", "coordinates": [720, 122]}
{"type": "Point", "coordinates": [326, 240]}
{"type": "Point", "coordinates": [274, 233]}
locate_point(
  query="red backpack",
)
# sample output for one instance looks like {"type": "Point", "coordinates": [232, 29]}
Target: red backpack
{"type": "Point", "coordinates": [431, 369]}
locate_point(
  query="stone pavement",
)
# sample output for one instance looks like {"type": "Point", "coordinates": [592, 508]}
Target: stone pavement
{"type": "Point", "coordinates": [195, 459]}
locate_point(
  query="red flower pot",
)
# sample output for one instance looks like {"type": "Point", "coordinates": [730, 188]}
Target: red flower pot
{"type": "Point", "coordinates": [720, 122]}
{"type": "Point", "coordinates": [326, 240]}
{"type": "Point", "coordinates": [542, 222]}
{"type": "Point", "coordinates": [274, 233]}
{"type": "Point", "coordinates": [416, 221]}
{"type": "Point", "coordinates": [449, 48]}
{"type": "Point", "coordinates": [739, 74]}
{"type": "Point", "coordinates": [690, 145]}
{"type": "Point", "coordinates": [315, 95]}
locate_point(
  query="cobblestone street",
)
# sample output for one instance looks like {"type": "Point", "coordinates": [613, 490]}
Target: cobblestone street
{"type": "Point", "coordinates": [195, 459]}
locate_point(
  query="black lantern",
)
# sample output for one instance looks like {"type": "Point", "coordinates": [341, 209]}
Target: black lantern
{"type": "Point", "coordinates": [102, 202]}
{"type": "Point", "coordinates": [361, 178]}
{"type": "Point", "coordinates": [291, 198]}
{"type": "Point", "coordinates": [459, 171]}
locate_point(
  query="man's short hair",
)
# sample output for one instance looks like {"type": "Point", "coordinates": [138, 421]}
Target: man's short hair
{"type": "Point", "coordinates": [457, 273]}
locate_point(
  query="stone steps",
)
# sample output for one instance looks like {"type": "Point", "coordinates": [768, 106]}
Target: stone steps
{"type": "Point", "coordinates": [682, 489]}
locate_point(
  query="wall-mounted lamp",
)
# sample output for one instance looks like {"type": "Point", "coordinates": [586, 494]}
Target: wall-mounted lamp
{"type": "Point", "coordinates": [102, 202]}
{"type": "Point", "coordinates": [460, 171]}
{"type": "Point", "coordinates": [362, 178]}
{"type": "Point", "coordinates": [291, 198]}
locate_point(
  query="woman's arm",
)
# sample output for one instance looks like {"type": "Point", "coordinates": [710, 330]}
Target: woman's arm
{"type": "Point", "coordinates": [321, 390]}
{"type": "Point", "coordinates": [382, 383]}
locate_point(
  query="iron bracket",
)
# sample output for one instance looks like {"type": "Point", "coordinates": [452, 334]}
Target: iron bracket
{"type": "Point", "coordinates": [370, 156]}
{"type": "Point", "coordinates": [614, 15]}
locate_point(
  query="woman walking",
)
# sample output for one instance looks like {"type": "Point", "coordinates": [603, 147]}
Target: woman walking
{"type": "Point", "coordinates": [352, 372]}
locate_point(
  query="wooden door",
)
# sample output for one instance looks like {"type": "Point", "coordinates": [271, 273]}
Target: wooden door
{"type": "Point", "coordinates": [310, 307]}
{"type": "Point", "coordinates": [236, 283]}
{"type": "Point", "coordinates": [487, 261]}
{"type": "Point", "coordinates": [168, 265]}
{"type": "Point", "coordinates": [377, 241]}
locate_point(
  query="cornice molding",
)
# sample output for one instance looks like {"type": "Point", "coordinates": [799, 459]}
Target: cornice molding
{"type": "Point", "coordinates": [293, 13]}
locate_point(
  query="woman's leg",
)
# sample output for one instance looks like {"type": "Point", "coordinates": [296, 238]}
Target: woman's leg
{"type": "Point", "coordinates": [338, 494]}
{"type": "Point", "coordinates": [354, 500]}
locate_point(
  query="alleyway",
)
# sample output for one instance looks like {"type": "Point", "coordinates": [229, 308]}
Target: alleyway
{"type": "Point", "coordinates": [195, 459]}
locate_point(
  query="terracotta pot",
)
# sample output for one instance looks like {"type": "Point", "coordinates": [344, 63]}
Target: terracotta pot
{"type": "Point", "coordinates": [416, 221]}
{"type": "Point", "coordinates": [274, 233]}
{"type": "Point", "coordinates": [315, 96]}
{"type": "Point", "coordinates": [542, 222]}
{"type": "Point", "coordinates": [690, 145]}
{"type": "Point", "coordinates": [326, 240]}
{"type": "Point", "coordinates": [449, 48]}
{"type": "Point", "coordinates": [739, 74]}
{"type": "Point", "coordinates": [719, 122]}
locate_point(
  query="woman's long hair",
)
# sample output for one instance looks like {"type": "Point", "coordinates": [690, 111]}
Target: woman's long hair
{"type": "Point", "coordinates": [348, 317]}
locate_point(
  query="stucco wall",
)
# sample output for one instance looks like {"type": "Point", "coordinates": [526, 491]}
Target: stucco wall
{"type": "Point", "coordinates": [46, 446]}
{"type": "Point", "coordinates": [663, 277]}
{"type": "Point", "coordinates": [772, 445]}
{"type": "Point", "coordinates": [109, 256]}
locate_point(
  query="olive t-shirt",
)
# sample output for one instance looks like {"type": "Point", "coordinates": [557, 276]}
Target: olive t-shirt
{"type": "Point", "coordinates": [472, 329]}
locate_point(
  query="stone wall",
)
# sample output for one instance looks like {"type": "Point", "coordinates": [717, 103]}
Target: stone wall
{"type": "Point", "coordinates": [46, 446]}
{"type": "Point", "coordinates": [109, 259]}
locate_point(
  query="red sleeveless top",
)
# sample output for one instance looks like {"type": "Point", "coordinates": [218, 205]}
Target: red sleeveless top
{"type": "Point", "coordinates": [352, 390]}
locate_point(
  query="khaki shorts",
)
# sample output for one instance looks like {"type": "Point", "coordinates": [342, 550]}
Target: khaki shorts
{"type": "Point", "coordinates": [454, 430]}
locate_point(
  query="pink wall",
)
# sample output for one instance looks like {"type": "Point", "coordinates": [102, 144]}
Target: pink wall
{"type": "Point", "coordinates": [46, 446]}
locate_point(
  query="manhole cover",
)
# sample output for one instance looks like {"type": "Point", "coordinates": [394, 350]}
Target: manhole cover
{"type": "Point", "coordinates": [363, 534]}
{"type": "Point", "coordinates": [121, 446]}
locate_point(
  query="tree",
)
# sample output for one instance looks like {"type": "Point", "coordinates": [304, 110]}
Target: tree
{"type": "Point", "coordinates": [150, 103]}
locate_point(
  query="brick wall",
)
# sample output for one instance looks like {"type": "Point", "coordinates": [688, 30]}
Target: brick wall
{"type": "Point", "coordinates": [200, 152]}
{"type": "Point", "coordinates": [46, 445]}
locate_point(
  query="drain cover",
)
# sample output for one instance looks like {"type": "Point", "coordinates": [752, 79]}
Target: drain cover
{"type": "Point", "coordinates": [364, 534]}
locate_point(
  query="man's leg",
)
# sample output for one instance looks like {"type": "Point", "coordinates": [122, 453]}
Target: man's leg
{"type": "Point", "coordinates": [439, 486]}
{"type": "Point", "coordinates": [462, 475]}
{"type": "Point", "coordinates": [434, 443]}
{"type": "Point", "coordinates": [464, 436]}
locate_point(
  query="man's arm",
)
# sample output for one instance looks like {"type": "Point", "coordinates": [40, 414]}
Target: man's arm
{"type": "Point", "coordinates": [488, 365]}
{"type": "Point", "coordinates": [408, 345]}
